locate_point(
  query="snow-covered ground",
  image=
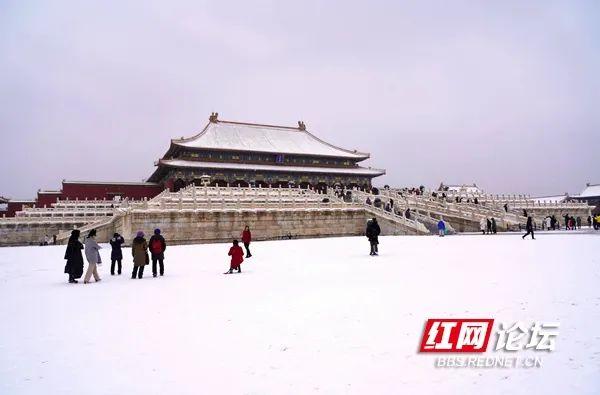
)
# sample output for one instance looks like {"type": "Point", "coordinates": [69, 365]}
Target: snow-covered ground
{"type": "Point", "coordinates": [306, 316]}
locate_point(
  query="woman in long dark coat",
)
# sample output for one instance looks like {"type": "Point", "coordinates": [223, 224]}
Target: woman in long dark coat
{"type": "Point", "coordinates": [74, 266]}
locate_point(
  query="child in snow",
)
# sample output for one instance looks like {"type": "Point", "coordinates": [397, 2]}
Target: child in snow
{"type": "Point", "coordinates": [237, 257]}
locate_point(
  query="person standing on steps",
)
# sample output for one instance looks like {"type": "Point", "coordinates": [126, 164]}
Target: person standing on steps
{"type": "Point", "coordinates": [158, 245]}
{"type": "Point", "coordinates": [246, 239]}
{"type": "Point", "coordinates": [116, 254]}
{"type": "Point", "coordinates": [529, 228]}
{"type": "Point", "coordinates": [139, 251]}
{"type": "Point", "coordinates": [441, 225]}
{"type": "Point", "coordinates": [74, 266]}
{"type": "Point", "coordinates": [372, 233]}
{"type": "Point", "coordinates": [92, 254]}
{"type": "Point", "coordinates": [237, 257]}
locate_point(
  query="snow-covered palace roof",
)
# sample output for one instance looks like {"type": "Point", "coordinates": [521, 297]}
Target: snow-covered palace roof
{"type": "Point", "coordinates": [591, 190]}
{"type": "Point", "coordinates": [238, 136]}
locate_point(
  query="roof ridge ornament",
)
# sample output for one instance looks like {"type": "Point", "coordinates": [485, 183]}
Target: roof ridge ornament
{"type": "Point", "coordinates": [301, 125]}
{"type": "Point", "coordinates": [214, 117]}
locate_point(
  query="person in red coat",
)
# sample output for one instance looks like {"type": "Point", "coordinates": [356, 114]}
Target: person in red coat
{"type": "Point", "coordinates": [237, 257]}
{"type": "Point", "coordinates": [246, 239]}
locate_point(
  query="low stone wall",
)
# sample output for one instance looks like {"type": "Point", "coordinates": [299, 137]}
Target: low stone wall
{"type": "Point", "coordinates": [186, 227]}
{"type": "Point", "coordinates": [13, 234]}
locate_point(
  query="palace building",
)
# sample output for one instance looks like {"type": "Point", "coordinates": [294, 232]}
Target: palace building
{"type": "Point", "coordinates": [227, 153]}
{"type": "Point", "coordinates": [242, 154]}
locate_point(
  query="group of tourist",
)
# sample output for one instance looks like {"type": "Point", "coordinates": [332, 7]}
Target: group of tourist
{"type": "Point", "coordinates": [46, 240]}
{"type": "Point", "coordinates": [488, 226]}
{"type": "Point", "coordinates": [142, 251]}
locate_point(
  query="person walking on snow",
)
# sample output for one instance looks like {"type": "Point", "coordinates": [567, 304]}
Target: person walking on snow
{"type": "Point", "coordinates": [488, 228]}
{"type": "Point", "coordinates": [158, 245]}
{"type": "Point", "coordinates": [139, 251]}
{"type": "Point", "coordinates": [494, 227]}
{"type": "Point", "coordinates": [92, 254]}
{"type": "Point", "coordinates": [237, 257]}
{"type": "Point", "coordinates": [482, 224]}
{"type": "Point", "coordinates": [116, 254]}
{"type": "Point", "coordinates": [529, 228]}
{"type": "Point", "coordinates": [372, 233]}
{"type": "Point", "coordinates": [441, 225]}
{"type": "Point", "coordinates": [246, 239]}
{"type": "Point", "coordinates": [74, 266]}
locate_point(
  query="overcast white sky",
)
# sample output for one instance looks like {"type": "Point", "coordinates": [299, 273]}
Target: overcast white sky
{"type": "Point", "coordinates": [505, 93]}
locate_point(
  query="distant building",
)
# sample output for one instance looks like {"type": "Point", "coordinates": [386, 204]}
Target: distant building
{"type": "Point", "coordinates": [590, 194]}
{"type": "Point", "coordinates": [15, 205]}
{"type": "Point", "coordinates": [550, 199]}
{"type": "Point", "coordinates": [461, 189]}
{"type": "Point", "coordinates": [242, 154]}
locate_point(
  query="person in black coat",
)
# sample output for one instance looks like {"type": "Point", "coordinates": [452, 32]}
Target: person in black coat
{"type": "Point", "coordinates": [494, 227]}
{"type": "Point", "coordinates": [116, 255]}
{"type": "Point", "coordinates": [157, 246]}
{"type": "Point", "coordinates": [372, 233]}
{"type": "Point", "coordinates": [529, 228]}
{"type": "Point", "coordinates": [74, 266]}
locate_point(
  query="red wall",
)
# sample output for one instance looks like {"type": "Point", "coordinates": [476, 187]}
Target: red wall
{"type": "Point", "coordinates": [46, 198]}
{"type": "Point", "coordinates": [13, 207]}
{"type": "Point", "coordinates": [108, 191]}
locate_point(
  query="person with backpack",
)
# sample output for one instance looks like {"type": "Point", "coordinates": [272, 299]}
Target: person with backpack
{"type": "Point", "coordinates": [237, 257]}
{"type": "Point", "coordinates": [139, 251]}
{"type": "Point", "coordinates": [158, 245]}
{"type": "Point", "coordinates": [372, 233]}
{"type": "Point", "coordinates": [529, 228]}
{"type": "Point", "coordinates": [116, 254]}
{"type": "Point", "coordinates": [246, 239]}
{"type": "Point", "coordinates": [92, 254]}
{"type": "Point", "coordinates": [74, 266]}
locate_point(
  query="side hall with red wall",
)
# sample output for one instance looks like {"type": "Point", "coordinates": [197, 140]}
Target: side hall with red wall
{"type": "Point", "coordinates": [109, 190]}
